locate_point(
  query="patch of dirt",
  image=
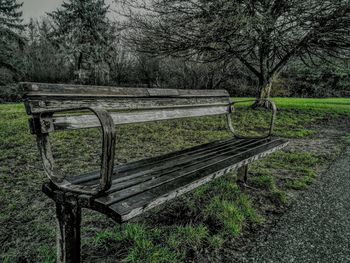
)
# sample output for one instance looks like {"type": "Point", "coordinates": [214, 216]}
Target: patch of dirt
{"type": "Point", "coordinates": [328, 142]}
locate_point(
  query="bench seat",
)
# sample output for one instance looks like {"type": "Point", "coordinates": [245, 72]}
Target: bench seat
{"type": "Point", "coordinates": [141, 185]}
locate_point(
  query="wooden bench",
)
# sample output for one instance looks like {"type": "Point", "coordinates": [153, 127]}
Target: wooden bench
{"type": "Point", "coordinates": [125, 191]}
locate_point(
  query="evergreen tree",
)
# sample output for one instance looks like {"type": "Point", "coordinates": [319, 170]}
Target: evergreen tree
{"type": "Point", "coordinates": [81, 30]}
{"type": "Point", "coordinates": [11, 41]}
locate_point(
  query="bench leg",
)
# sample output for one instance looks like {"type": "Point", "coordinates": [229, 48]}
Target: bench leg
{"type": "Point", "coordinates": [242, 174]}
{"type": "Point", "coordinates": [68, 236]}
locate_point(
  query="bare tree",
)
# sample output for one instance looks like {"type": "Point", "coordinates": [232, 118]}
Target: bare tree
{"type": "Point", "coordinates": [263, 35]}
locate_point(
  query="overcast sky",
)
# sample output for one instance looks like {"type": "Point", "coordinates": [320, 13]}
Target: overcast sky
{"type": "Point", "coordinates": [38, 8]}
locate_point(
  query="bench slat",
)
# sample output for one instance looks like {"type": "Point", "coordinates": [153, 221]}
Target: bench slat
{"type": "Point", "coordinates": [91, 121]}
{"type": "Point", "coordinates": [36, 105]}
{"type": "Point", "coordinates": [83, 91]}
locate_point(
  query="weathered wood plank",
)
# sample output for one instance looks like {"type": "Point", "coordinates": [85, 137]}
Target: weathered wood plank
{"type": "Point", "coordinates": [90, 121]}
{"type": "Point", "coordinates": [161, 177]}
{"type": "Point", "coordinates": [71, 90]}
{"type": "Point", "coordinates": [68, 235]}
{"type": "Point", "coordinates": [157, 178]}
{"type": "Point", "coordinates": [121, 171]}
{"type": "Point", "coordinates": [177, 167]}
{"type": "Point", "coordinates": [37, 105]}
{"type": "Point", "coordinates": [153, 170]}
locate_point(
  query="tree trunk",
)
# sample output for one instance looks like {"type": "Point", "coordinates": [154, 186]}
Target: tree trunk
{"type": "Point", "coordinates": [80, 61]}
{"type": "Point", "coordinates": [265, 86]}
{"type": "Point", "coordinates": [79, 74]}
{"type": "Point", "coordinates": [265, 90]}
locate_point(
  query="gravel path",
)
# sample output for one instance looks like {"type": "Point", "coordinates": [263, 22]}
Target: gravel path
{"type": "Point", "coordinates": [317, 228]}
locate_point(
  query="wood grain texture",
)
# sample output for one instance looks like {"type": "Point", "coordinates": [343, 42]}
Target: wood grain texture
{"type": "Point", "coordinates": [90, 121]}
{"type": "Point", "coordinates": [68, 234]}
{"type": "Point", "coordinates": [127, 105]}
{"type": "Point", "coordinates": [172, 170]}
{"type": "Point", "coordinates": [38, 105]}
{"type": "Point", "coordinates": [83, 91]}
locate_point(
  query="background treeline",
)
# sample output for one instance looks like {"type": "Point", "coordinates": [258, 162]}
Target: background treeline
{"type": "Point", "coordinates": [85, 47]}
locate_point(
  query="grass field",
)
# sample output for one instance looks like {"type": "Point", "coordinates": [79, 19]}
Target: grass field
{"type": "Point", "coordinates": [198, 225]}
{"type": "Point", "coordinates": [339, 105]}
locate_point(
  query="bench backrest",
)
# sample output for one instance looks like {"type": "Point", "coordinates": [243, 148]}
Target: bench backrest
{"type": "Point", "coordinates": [125, 105]}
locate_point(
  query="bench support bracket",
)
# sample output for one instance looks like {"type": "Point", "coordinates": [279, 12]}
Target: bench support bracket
{"type": "Point", "coordinates": [68, 235]}
{"type": "Point", "coordinates": [242, 174]}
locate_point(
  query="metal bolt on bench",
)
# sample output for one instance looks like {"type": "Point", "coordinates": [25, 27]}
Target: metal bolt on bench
{"type": "Point", "coordinates": [125, 191]}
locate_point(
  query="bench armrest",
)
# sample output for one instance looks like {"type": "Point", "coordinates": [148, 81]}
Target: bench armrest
{"type": "Point", "coordinates": [107, 159]}
{"type": "Point", "coordinates": [268, 104]}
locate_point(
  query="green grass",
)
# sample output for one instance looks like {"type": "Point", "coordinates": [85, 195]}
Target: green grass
{"type": "Point", "coordinates": [228, 207]}
{"type": "Point", "coordinates": [328, 105]}
{"type": "Point", "coordinates": [317, 105]}
{"type": "Point", "coordinates": [301, 164]}
{"type": "Point", "coordinates": [301, 183]}
{"type": "Point", "coordinates": [249, 122]}
{"type": "Point", "coordinates": [294, 115]}
{"type": "Point", "coordinates": [268, 182]}
{"type": "Point", "coordinates": [202, 220]}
